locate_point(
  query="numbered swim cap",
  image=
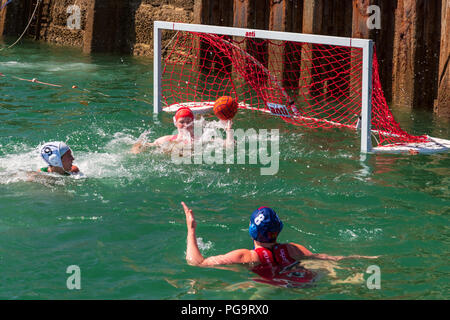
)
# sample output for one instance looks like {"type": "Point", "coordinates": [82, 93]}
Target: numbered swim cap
{"type": "Point", "coordinates": [52, 152]}
{"type": "Point", "coordinates": [265, 225]}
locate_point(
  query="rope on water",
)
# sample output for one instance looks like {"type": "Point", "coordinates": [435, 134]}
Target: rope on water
{"type": "Point", "coordinates": [35, 80]}
{"type": "Point", "coordinates": [25, 31]}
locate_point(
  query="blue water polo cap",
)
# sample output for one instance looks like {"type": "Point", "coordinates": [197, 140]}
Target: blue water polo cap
{"type": "Point", "coordinates": [265, 225]}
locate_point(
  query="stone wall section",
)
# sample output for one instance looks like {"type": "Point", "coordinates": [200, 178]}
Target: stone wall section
{"type": "Point", "coordinates": [55, 30]}
{"type": "Point", "coordinates": [147, 11]}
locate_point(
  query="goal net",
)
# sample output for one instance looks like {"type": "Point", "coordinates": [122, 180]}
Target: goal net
{"type": "Point", "coordinates": [306, 80]}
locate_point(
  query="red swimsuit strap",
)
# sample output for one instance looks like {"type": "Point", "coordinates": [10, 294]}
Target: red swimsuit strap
{"type": "Point", "coordinates": [265, 255]}
{"type": "Point", "coordinates": [279, 255]}
{"type": "Point", "coordinates": [273, 261]}
{"type": "Point", "coordinates": [282, 255]}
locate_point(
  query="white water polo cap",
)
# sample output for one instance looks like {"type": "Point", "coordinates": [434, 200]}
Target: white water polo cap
{"type": "Point", "coordinates": [52, 152]}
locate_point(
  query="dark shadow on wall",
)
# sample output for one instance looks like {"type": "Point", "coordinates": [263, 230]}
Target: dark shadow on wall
{"type": "Point", "coordinates": [130, 26]}
{"type": "Point", "coordinates": [384, 44]}
{"type": "Point", "coordinates": [110, 26]}
{"type": "Point", "coordinates": [14, 18]}
{"type": "Point", "coordinates": [427, 61]}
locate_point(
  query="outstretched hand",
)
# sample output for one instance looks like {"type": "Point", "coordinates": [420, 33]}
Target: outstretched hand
{"type": "Point", "coordinates": [359, 257]}
{"type": "Point", "coordinates": [190, 219]}
{"type": "Point", "coordinates": [367, 257]}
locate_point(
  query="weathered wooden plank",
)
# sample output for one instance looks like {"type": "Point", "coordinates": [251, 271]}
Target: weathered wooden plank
{"type": "Point", "coordinates": [293, 52]}
{"type": "Point", "coordinates": [312, 23]}
{"type": "Point", "coordinates": [253, 14]}
{"type": "Point", "coordinates": [359, 19]}
{"type": "Point", "coordinates": [284, 57]}
{"type": "Point", "coordinates": [384, 44]}
{"type": "Point", "coordinates": [106, 27]}
{"type": "Point", "coordinates": [336, 21]}
{"type": "Point", "coordinates": [241, 13]}
{"type": "Point", "coordinates": [218, 13]}
{"type": "Point", "coordinates": [427, 53]}
{"type": "Point", "coordinates": [404, 53]}
{"type": "Point", "coordinates": [360, 29]}
{"type": "Point", "coordinates": [13, 18]}
{"type": "Point", "coordinates": [276, 50]}
{"type": "Point", "coordinates": [442, 104]}
{"type": "Point", "coordinates": [312, 16]}
{"type": "Point", "coordinates": [414, 64]}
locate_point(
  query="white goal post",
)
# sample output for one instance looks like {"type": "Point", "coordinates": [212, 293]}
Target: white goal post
{"type": "Point", "coordinates": [365, 45]}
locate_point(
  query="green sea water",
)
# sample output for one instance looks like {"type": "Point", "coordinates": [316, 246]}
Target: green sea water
{"type": "Point", "coordinates": [122, 223]}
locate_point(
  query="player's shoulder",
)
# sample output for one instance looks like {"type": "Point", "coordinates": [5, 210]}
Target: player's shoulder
{"type": "Point", "coordinates": [245, 255]}
{"type": "Point", "coordinates": [296, 249]}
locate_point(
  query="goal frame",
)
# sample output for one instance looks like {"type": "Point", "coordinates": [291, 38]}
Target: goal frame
{"type": "Point", "coordinates": [365, 44]}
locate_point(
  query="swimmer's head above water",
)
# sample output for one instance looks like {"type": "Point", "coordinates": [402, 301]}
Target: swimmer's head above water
{"type": "Point", "coordinates": [184, 118]}
{"type": "Point", "coordinates": [265, 225]}
{"type": "Point", "coordinates": [59, 158]}
{"type": "Point", "coordinates": [184, 122]}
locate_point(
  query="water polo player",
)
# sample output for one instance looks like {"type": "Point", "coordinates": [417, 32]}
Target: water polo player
{"type": "Point", "coordinates": [59, 158]}
{"type": "Point", "coordinates": [276, 263]}
{"type": "Point", "coordinates": [184, 122]}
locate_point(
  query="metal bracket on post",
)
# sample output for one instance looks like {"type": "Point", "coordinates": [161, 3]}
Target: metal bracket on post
{"type": "Point", "coordinates": [366, 142]}
{"type": "Point", "coordinates": [156, 68]}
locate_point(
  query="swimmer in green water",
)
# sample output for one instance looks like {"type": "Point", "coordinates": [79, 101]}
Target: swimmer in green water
{"type": "Point", "coordinates": [264, 229]}
{"type": "Point", "coordinates": [59, 158]}
{"type": "Point", "coordinates": [184, 122]}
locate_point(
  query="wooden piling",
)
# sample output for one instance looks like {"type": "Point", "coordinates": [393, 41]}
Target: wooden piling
{"type": "Point", "coordinates": [284, 58]}
{"type": "Point", "coordinates": [336, 14]}
{"type": "Point", "coordinates": [415, 69]}
{"type": "Point", "coordinates": [241, 13]}
{"type": "Point", "coordinates": [252, 14]}
{"type": "Point", "coordinates": [442, 103]}
{"type": "Point", "coordinates": [382, 37]}
{"type": "Point", "coordinates": [218, 13]}
{"type": "Point", "coordinates": [312, 23]}
{"type": "Point", "coordinates": [13, 18]}
{"type": "Point", "coordinates": [106, 27]}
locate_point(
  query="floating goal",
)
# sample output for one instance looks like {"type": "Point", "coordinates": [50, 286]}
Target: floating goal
{"type": "Point", "coordinates": [308, 80]}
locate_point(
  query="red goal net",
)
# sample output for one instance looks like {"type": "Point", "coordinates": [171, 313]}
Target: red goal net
{"type": "Point", "coordinates": [313, 85]}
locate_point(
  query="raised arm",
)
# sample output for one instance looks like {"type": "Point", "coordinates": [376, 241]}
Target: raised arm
{"type": "Point", "coordinates": [194, 256]}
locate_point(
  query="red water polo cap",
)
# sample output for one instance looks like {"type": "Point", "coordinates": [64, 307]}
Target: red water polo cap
{"type": "Point", "coordinates": [184, 112]}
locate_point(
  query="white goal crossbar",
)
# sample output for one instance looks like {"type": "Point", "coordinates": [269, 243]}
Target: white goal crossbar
{"type": "Point", "coordinates": [364, 44]}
